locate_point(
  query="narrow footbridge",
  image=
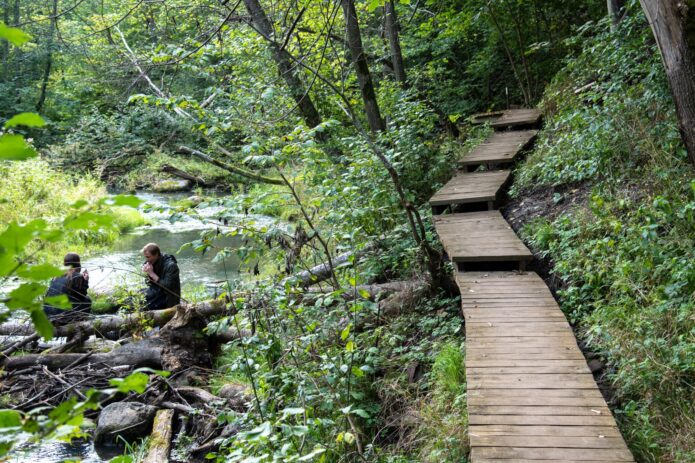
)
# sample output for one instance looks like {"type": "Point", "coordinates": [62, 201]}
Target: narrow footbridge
{"type": "Point", "coordinates": [531, 395]}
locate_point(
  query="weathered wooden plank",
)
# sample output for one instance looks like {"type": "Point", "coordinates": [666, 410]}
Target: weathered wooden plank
{"type": "Point", "coordinates": [616, 455]}
{"type": "Point", "coordinates": [530, 381]}
{"type": "Point", "coordinates": [573, 442]}
{"type": "Point", "coordinates": [522, 354]}
{"type": "Point", "coordinates": [466, 188]}
{"type": "Point", "coordinates": [503, 392]}
{"type": "Point", "coordinates": [559, 431]}
{"type": "Point", "coordinates": [537, 400]}
{"type": "Point", "coordinates": [544, 420]}
{"type": "Point", "coordinates": [477, 362]}
{"type": "Point", "coordinates": [539, 370]}
{"type": "Point", "coordinates": [553, 410]}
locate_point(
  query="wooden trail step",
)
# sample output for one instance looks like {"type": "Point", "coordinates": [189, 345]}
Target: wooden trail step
{"type": "Point", "coordinates": [531, 396]}
{"type": "Point", "coordinates": [473, 188]}
{"type": "Point", "coordinates": [499, 148]}
{"type": "Point", "coordinates": [509, 118]}
{"type": "Point", "coordinates": [480, 237]}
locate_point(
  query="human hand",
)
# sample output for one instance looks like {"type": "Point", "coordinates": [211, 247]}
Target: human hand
{"type": "Point", "coordinates": [147, 267]}
{"type": "Point", "coordinates": [85, 275]}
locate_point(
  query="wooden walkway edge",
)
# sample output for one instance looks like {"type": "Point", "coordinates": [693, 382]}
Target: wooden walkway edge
{"type": "Point", "coordinates": [531, 396]}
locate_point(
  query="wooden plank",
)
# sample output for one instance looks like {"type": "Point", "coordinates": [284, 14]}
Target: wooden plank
{"type": "Point", "coordinates": [553, 410]}
{"type": "Point", "coordinates": [477, 362]}
{"type": "Point", "coordinates": [556, 454]}
{"type": "Point", "coordinates": [575, 442]}
{"type": "Point", "coordinates": [558, 431]}
{"type": "Point", "coordinates": [530, 381]}
{"type": "Point", "coordinates": [537, 400]}
{"type": "Point", "coordinates": [466, 188]}
{"type": "Point", "coordinates": [517, 117]}
{"type": "Point", "coordinates": [522, 354]}
{"type": "Point", "coordinates": [539, 370]}
{"type": "Point", "coordinates": [538, 392]}
{"type": "Point", "coordinates": [544, 420]}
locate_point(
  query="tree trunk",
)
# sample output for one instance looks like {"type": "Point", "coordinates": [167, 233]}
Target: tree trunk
{"type": "Point", "coordinates": [6, 44]}
{"type": "Point", "coordinates": [282, 59]}
{"type": "Point", "coordinates": [359, 60]}
{"type": "Point", "coordinates": [49, 56]}
{"type": "Point", "coordinates": [139, 354]}
{"type": "Point", "coordinates": [615, 11]}
{"type": "Point", "coordinates": [160, 438]}
{"type": "Point", "coordinates": [391, 28]}
{"type": "Point", "coordinates": [673, 25]}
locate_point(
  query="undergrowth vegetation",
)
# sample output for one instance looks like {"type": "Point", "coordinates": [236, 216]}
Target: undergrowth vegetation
{"type": "Point", "coordinates": [33, 190]}
{"type": "Point", "coordinates": [626, 256]}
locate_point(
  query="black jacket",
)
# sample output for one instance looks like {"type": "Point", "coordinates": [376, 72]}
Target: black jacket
{"type": "Point", "coordinates": [73, 286]}
{"type": "Point", "coordinates": [167, 291]}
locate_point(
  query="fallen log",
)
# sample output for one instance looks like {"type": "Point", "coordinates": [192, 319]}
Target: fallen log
{"type": "Point", "coordinates": [184, 175]}
{"type": "Point", "coordinates": [116, 322]}
{"type": "Point", "coordinates": [323, 272]}
{"type": "Point", "coordinates": [146, 353]}
{"type": "Point", "coordinates": [160, 438]}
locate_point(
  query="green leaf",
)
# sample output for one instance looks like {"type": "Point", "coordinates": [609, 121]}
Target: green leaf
{"type": "Point", "coordinates": [42, 324]}
{"type": "Point", "coordinates": [364, 293]}
{"type": "Point", "coordinates": [374, 4]}
{"type": "Point", "coordinates": [361, 413]}
{"type": "Point", "coordinates": [122, 459]}
{"type": "Point", "coordinates": [15, 36]}
{"type": "Point", "coordinates": [15, 148]}
{"type": "Point", "coordinates": [24, 296]}
{"type": "Point", "coordinates": [346, 332]}
{"type": "Point", "coordinates": [123, 200]}
{"type": "Point", "coordinates": [350, 346]}
{"type": "Point", "coordinates": [26, 119]}
{"type": "Point", "coordinates": [136, 382]}
{"type": "Point", "coordinates": [293, 411]}
{"type": "Point", "coordinates": [10, 419]}
{"type": "Point", "coordinates": [357, 372]}
{"type": "Point", "coordinates": [39, 272]}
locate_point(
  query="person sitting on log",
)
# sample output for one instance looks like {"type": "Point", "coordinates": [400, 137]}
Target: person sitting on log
{"type": "Point", "coordinates": [164, 285]}
{"type": "Point", "coordinates": [74, 285]}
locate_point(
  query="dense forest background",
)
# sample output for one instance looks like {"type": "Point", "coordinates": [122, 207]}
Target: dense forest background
{"type": "Point", "coordinates": [340, 119]}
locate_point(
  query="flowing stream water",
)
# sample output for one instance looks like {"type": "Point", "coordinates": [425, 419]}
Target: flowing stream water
{"type": "Point", "coordinates": [121, 265]}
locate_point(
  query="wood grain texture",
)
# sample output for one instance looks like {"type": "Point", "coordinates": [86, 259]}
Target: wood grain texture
{"type": "Point", "coordinates": [466, 188]}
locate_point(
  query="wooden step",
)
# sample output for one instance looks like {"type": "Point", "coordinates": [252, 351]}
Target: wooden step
{"type": "Point", "coordinates": [478, 187]}
{"type": "Point", "coordinates": [480, 237]}
{"type": "Point", "coordinates": [509, 118]}
{"type": "Point", "coordinates": [499, 148]}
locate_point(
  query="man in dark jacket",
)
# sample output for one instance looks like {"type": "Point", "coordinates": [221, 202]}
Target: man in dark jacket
{"type": "Point", "coordinates": [164, 285]}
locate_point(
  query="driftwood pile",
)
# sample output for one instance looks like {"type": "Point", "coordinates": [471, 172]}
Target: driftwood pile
{"type": "Point", "coordinates": [173, 340]}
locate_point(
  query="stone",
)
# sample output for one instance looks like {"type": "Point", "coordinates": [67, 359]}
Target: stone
{"type": "Point", "coordinates": [167, 186]}
{"type": "Point", "coordinates": [129, 420]}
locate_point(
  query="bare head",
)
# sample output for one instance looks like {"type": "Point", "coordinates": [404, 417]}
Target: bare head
{"type": "Point", "coordinates": [151, 252]}
{"type": "Point", "coordinates": [72, 260]}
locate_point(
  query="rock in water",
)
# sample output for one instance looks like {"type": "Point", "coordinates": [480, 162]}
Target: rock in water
{"type": "Point", "coordinates": [167, 186]}
{"type": "Point", "coordinates": [130, 420]}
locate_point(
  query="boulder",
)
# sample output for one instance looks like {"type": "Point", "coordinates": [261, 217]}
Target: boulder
{"type": "Point", "coordinates": [129, 420]}
{"type": "Point", "coordinates": [167, 186]}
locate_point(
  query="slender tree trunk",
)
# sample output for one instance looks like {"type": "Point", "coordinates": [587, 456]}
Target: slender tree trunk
{"type": "Point", "coordinates": [311, 116]}
{"type": "Point", "coordinates": [359, 60]}
{"type": "Point", "coordinates": [6, 44]}
{"type": "Point", "coordinates": [673, 24]}
{"type": "Point", "coordinates": [49, 56]}
{"type": "Point", "coordinates": [15, 15]}
{"type": "Point", "coordinates": [615, 11]}
{"type": "Point", "coordinates": [391, 28]}
{"type": "Point", "coordinates": [508, 51]}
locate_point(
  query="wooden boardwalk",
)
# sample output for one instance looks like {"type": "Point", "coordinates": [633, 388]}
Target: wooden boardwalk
{"type": "Point", "coordinates": [531, 396]}
{"type": "Point", "coordinates": [499, 148]}
{"type": "Point", "coordinates": [509, 118]}
{"type": "Point", "coordinates": [480, 237]}
{"type": "Point", "coordinates": [473, 188]}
